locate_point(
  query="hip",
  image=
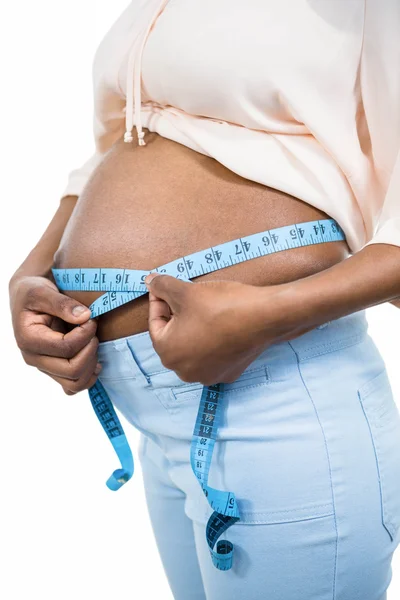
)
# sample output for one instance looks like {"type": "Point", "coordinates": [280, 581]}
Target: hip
{"type": "Point", "coordinates": [311, 425]}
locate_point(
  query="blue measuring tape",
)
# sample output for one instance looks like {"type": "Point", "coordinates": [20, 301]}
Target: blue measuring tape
{"type": "Point", "coordinates": [124, 285]}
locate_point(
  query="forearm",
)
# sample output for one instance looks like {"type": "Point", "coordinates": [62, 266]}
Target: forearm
{"type": "Point", "coordinates": [40, 260]}
{"type": "Point", "coordinates": [365, 279]}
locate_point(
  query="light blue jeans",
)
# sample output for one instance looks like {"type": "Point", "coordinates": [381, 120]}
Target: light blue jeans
{"type": "Point", "coordinates": [310, 445]}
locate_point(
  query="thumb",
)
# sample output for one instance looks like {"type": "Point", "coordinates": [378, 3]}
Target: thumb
{"type": "Point", "coordinates": [167, 288]}
{"type": "Point", "coordinates": [164, 292]}
{"type": "Point", "coordinates": [46, 300]}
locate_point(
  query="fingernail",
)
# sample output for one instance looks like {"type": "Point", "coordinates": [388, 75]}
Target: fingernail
{"type": "Point", "coordinates": [98, 368]}
{"type": "Point", "coordinates": [78, 310]}
{"type": "Point", "coordinates": [149, 278]}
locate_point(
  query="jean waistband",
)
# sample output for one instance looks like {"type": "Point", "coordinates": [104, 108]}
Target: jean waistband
{"type": "Point", "coordinates": [330, 336]}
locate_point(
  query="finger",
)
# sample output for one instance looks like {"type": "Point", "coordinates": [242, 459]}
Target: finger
{"type": "Point", "coordinates": [159, 316]}
{"type": "Point", "coordinates": [71, 387]}
{"type": "Point", "coordinates": [238, 363]}
{"type": "Point", "coordinates": [236, 370]}
{"type": "Point", "coordinates": [80, 365]}
{"type": "Point", "coordinates": [229, 374]}
{"type": "Point", "coordinates": [168, 288]}
{"type": "Point", "coordinates": [44, 299]}
{"type": "Point", "coordinates": [37, 337]}
{"type": "Point", "coordinates": [60, 326]}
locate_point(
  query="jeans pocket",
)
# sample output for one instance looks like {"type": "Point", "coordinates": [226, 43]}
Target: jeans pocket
{"type": "Point", "coordinates": [186, 393]}
{"type": "Point", "coordinates": [177, 393]}
{"type": "Point", "coordinates": [383, 419]}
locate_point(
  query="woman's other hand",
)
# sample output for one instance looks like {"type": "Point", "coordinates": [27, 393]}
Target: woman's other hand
{"type": "Point", "coordinates": [42, 318]}
{"type": "Point", "coordinates": [210, 331]}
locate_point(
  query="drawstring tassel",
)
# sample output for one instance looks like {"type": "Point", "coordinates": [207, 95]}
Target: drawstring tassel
{"type": "Point", "coordinates": [128, 137]}
{"type": "Point", "coordinates": [141, 141]}
{"type": "Point", "coordinates": [133, 86]}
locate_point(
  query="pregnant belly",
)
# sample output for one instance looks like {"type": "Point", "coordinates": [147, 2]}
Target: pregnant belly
{"type": "Point", "coordinates": [145, 206]}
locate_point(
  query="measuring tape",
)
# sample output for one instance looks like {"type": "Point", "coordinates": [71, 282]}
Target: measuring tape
{"type": "Point", "coordinates": [124, 285]}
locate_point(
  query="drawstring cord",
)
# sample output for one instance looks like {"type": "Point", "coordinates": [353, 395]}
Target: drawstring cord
{"type": "Point", "coordinates": [133, 85]}
{"type": "Point", "coordinates": [129, 99]}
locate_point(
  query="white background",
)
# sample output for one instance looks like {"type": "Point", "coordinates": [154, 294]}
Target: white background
{"type": "Point", "coordinates": [63, 533]}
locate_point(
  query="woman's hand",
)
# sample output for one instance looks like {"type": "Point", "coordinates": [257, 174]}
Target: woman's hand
{"type": "Point", "coordinates": [41, 316]}
{"type": "Point", "coordinates": [211, 331]}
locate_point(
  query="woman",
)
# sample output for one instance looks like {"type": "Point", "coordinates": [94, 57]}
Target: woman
{"type": "Point", "coordinates": [249, 117]}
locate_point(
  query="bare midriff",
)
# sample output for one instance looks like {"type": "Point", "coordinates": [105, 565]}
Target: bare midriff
{"type": "Point", "coordinates": [145, 206]}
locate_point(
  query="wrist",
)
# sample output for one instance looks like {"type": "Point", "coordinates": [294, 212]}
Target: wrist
{"type": "Point", "coordinates": [21, 276]}
{"type": "Point", "coordinates": [288, 310]}
{"type": "Point", "coordinates": [14, 280]}
{"type": "Point", "coordinates": [22, 273]}
{"type": "Point", "coordinates": [303, 305]}
{"type": "Point", "coordinates": [365, 279]}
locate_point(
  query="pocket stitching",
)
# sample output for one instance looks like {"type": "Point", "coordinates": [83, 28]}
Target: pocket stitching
{"type": "Point", "coordinates": [382, 478]}
{"type": "Point", "coordinates": [111, 378]}
{"type": "Point", "coordinates": [182, 389]}
{"type": "Point", "coordinates": [176, 393]}
{"type": "Point", "coordinates": [372, 384]}
{"type": "Point", "coordinates": [277, 521]}
{"type": "Point", "coordinates": [247, 387]}
{"type": "Point", "coordinates": [363, 392]}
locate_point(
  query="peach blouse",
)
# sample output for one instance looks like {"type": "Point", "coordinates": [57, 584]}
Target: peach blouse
{"type": "Point", "coordinates": [299, 95]}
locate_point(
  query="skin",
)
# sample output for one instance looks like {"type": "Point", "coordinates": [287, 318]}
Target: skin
{"type": "Point", "coordinates": [168, 200]}
{"type": "Point", "coordinates": [210, 332]}
{"type": "Point", "coordinates": [44, 322]}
